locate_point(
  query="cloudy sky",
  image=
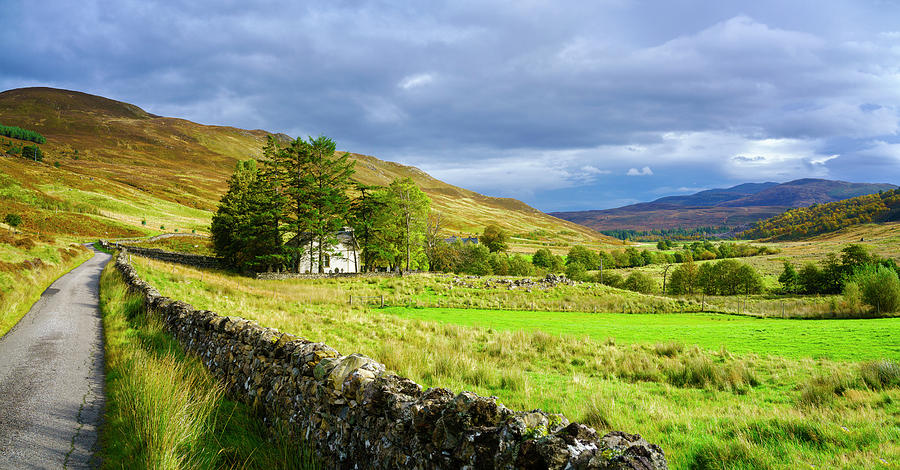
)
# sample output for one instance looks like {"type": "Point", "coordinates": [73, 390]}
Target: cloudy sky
{"type": "Point", "coordinates": [566, 105]}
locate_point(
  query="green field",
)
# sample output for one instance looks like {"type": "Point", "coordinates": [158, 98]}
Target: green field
{"type": "Point", "coordinates": [706, 405]}
{"type": "Point", "coordinates": [829, 339]}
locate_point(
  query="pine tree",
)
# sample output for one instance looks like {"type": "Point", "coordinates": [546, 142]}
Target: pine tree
{"type": "Point", "coordinates": [230, 218]}
{"type": "Point", "coordinates": [317, 188]}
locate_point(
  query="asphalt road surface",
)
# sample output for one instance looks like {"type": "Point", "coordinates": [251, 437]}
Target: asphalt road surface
{"type": "Point", "coordinates": [51, 376]}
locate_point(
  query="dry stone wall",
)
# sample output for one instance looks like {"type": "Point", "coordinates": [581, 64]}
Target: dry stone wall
{"type": "Point", "coordinates": [357, 415]}
{"type": "Point", "coordinates": [197, 261]}
{"type": "Point", "coordinates": [283, 276]}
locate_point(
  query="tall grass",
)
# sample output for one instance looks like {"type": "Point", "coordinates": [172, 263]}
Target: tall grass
{"type": "Point", "coordinates": [706, 408]}
{"type": "Point", "coordinates": [165, 411]}
{"type": "Point", "coordinates": [20, 288]}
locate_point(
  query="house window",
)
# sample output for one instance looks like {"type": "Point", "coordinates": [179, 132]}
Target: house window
{"type": "Point", "coordinates": [327, 261]}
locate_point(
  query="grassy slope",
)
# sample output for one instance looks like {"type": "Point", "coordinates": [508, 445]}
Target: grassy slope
{"type": "Point", "coordinates": [707, 408]}
{"type": "Point", "coordinates": [133, 166]}
{"type": "Point", "coordinates": [22, 281]}
{"type": "Point", "coordinates": [164, 410]}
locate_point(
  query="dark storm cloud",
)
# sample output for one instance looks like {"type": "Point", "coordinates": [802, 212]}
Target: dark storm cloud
{"type": "Point", "coordinates": [554, 102]}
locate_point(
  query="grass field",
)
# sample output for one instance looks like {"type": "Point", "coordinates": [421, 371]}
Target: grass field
{"type": "Point", "coordinates": [708, 406]}
{"type": "Point", "coordinates": [165, 411]}
{"type": "Point", "coordinates": [828, 339]}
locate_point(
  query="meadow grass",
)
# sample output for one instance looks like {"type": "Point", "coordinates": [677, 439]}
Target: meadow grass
{"type": "Point", "coordinates": [164, 410]}
{"type": "Point", "coordinates": [828, 339]}
{"type": "Point", "coordinates": [707, 407]}
{"type": "Point", "coordinates": [21, 281]}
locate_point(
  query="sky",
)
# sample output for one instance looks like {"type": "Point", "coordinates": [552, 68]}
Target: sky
{"type": "Point", "coordinates": [566, 105]}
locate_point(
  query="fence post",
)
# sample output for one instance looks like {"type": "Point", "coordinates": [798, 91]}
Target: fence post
{"type": "Point", "coordinates": [351, 300]}
{"type": "Point", "coordinates": [382, 300]}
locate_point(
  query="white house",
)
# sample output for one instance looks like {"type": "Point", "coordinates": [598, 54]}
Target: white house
{"type": "Point", "coordinates": [342, 257]}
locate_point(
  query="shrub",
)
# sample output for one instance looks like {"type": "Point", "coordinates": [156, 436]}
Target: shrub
{"type": "Point", "coordinates": [639, 282]}
{"type": "Point", "coordinates": [880, 288]}
{"type": "Point", "coordinates": [499, 264]}
{"type": "Point", "coordinates": [576, 272]}
{"type": "Point", "coordinates": [542, 258]}
{"type": "Point", "coordinates": [13, 220]}
{"type": "Point", "coordinates": [609, 279]}
{"type": "Point", "coordinates": [474, 259]}
{"type": "Point", "coordinates": [852, 297]}
{"type": "Point", "coordinates": [33, 152]}
{"type": "Point", "coordinates": [519, 266]}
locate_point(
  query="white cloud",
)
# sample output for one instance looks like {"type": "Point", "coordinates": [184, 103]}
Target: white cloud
{"type": "Point", "coordinates": [416, 81]}
{"type": "Point", "coordinates": [645, 171]}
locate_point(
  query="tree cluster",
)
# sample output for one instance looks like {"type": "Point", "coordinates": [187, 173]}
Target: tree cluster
{"type": "Point", "coordinates": [832, 273]}
{"type": "Point", "coordinates": [631, 257]}
{"type": "Point", "coordinates": [391, 225]}
{"type": "Point", "coordinates": [289, 207]}
{"type": "Point", "coordinates": [688, 233]}
{"type": "Point", "coordinates": [821, 218]}
{"type": "Point", "coordinates": [22, 134]}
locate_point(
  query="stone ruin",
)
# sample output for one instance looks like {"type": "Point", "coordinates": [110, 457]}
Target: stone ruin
{"type": "Point", "coordinates": [355, 414]}
{"type": "Point", "coordinates": [550, 281]}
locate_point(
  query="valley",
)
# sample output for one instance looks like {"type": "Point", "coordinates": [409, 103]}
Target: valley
{"type": "Point", "coordinates": [760, 377]}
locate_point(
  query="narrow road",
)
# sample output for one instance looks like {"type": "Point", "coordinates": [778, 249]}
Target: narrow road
{"type": "Point", "coordinates": [51, 376]}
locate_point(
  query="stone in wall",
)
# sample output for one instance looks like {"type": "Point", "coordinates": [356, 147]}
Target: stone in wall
{"type": "Point", "coordinates": [358, 415]}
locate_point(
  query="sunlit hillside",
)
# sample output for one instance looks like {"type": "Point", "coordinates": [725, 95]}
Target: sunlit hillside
{"type": "Point", "coordinates": [122, 171]}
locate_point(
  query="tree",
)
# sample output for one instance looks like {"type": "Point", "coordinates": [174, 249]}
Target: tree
{"type": "Point", "coordinates": [519, 266]}
{"type": "Point", "coordinates": [684, 279]}
{"type": "Point", "coordinates": [749, 281]}
{"type": "Point", "coordinates": [434, 235]}
{"type": "Point", "coordinates": [576, 272]}
{"type": "Point", "coordinates": [317, 186]}
{"type": "Point", "coordinates": [583, 256]}
{"type": "Point", "coordinates": [854, 256]}
{"type": "Point", "coordinates": [13, 220]}
{"type": "Point", "coordinates": [230, 221]}
{"type": "Point", "coordinates": [33, 152]}
{"type": "Point", "coordinates": [880, 287]}
{"type": "Point", "coordinates": [789, 278]}
{"type": "Point", "coordinates": [474, 259]}
{"type": "Point", "coordinates": [412, 207]}
{"type": "Point", "coordinates": [495, 238]}
{"type": "Point", "coordinates": [542, 258]}
{"type": "Point", "coordinates": [639, 282]}
{"type": "Point", "coordinates": [367, 212]}
{"type": "Point", "coordinates": [833, 275]}
{"type": "Point", "coordinates": [810, 279]}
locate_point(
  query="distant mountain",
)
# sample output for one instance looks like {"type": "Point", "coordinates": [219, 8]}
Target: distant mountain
{"type": "Point", "coordinates": [823, 218]}
{"type": "Point", "coordinates": [735, 207]}
{"type": "Point", "coordinates": [111, 168]}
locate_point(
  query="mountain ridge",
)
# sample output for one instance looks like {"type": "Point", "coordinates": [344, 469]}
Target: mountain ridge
{"type": "Point", "coordinates": [737, 206]}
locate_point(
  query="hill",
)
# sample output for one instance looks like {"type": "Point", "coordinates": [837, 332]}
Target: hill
{"type": "Point", "coordinates": [123, 171]}
{"type": "Point", "coordinates": [735, 207]}
{"type": "Point", "coordinates": [823, 218]}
